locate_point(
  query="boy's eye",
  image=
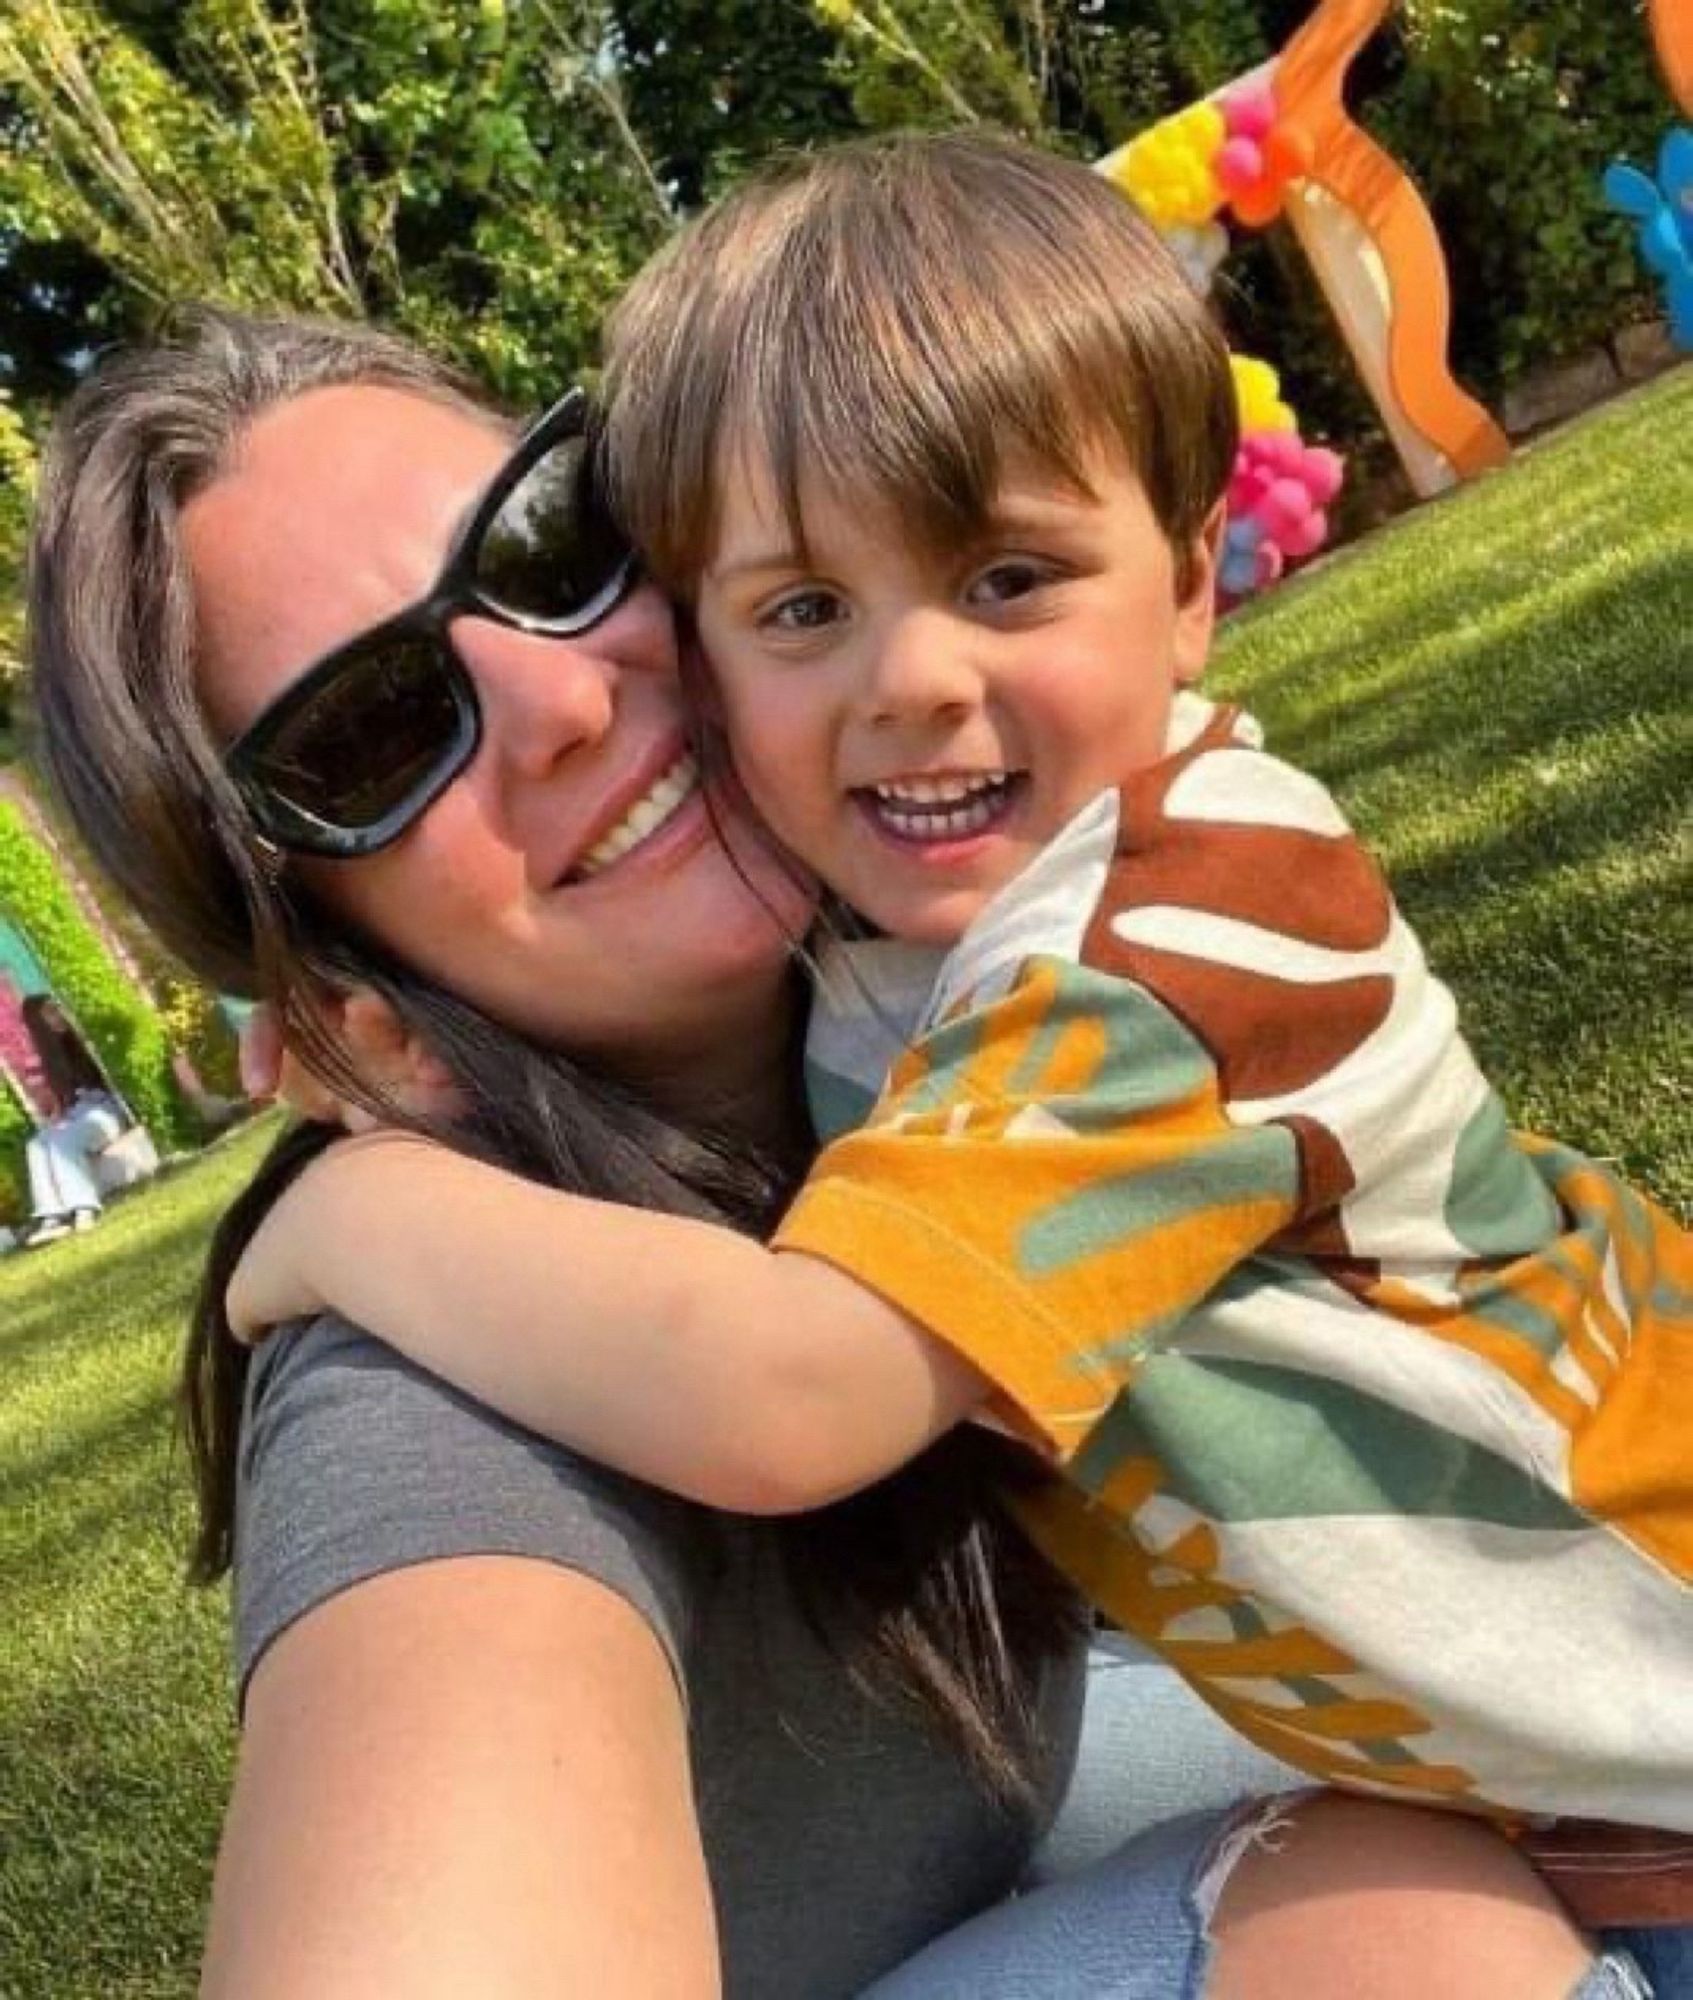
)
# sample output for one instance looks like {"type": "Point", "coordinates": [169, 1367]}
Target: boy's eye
{"type": "Point", "coordinates": [1005, 581]}
{"type": "Point", "coordinates": [803, 611]}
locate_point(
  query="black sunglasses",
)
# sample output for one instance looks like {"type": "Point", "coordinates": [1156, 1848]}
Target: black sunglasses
{"type": "Point", "coordinates": [350, 755]}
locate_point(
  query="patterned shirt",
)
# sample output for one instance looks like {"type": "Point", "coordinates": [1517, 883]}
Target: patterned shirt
{"type": "Point", "coordinates": [1376, 1419]}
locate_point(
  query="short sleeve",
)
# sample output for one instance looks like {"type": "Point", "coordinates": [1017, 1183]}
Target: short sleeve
{"type": "Point", "coordinates": [355, 1463]}
{"type": "Point", "coordinates": [1050, 1181]}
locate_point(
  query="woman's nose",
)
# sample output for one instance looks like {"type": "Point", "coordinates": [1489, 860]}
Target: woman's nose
{"type": "Point", "coordinates": [923, 668]}
{"type": "Point", "coordinates": [541, 697]}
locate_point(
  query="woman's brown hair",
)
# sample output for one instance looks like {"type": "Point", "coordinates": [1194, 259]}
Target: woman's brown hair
{"type": "Point", "coordinates": [900, 320]}
{"type": "Point", "coordinates": [923, 1583]}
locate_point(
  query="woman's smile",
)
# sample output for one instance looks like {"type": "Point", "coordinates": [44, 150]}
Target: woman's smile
{"type": "Point", "coordinates": [653, 810]}
{"type": "Point", "coordinates": [570, 880]}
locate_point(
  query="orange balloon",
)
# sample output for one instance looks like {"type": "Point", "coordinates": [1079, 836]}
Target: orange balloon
{"type": "Point", "coordinates": [1288, 152]}
{"type": "Point", "coordinates": [1256, 206]}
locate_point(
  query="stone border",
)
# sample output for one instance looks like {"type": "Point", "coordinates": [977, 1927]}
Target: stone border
{"type": "Point", "coordinates": [1553, 395]}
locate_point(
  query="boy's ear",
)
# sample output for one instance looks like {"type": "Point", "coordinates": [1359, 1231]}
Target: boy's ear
{"type": "Point", "coordinates": [1196, 603]}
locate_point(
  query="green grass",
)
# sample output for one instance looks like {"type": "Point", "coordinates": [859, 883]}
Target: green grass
{"type": "Point", "coordinates": [116, 1725]}
{"type": "Point", "coordinates": [1496, 685]}
{"type": "Point", "coordinates": [1500, 689]}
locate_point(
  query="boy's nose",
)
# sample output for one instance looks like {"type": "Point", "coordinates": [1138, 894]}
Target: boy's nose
{"type": "Point", "coordinates": [541, 697]}
{"type": "Point", "coordinates": [924, 670]}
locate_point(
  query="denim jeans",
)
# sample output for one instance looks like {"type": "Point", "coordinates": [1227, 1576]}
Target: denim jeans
{"type": "Point", "coordinates": [1121, 1893]}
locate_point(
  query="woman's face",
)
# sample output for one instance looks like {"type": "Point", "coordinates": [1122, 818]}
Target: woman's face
{"type": "Point", "coordinates": [527, 887]}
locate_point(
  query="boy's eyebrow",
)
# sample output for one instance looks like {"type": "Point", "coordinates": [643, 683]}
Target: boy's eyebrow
{"type": "Point", "coordinates": [783, 557]}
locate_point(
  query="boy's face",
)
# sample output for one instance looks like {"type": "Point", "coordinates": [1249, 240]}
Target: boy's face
{"type": "Point", "coordinates": [915, 728]}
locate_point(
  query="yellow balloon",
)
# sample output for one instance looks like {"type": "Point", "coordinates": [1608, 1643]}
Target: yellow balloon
{"type": "Point", "coordinates": [1167, 168]}
{"type": "Point", "coordinates": [1257, 392]}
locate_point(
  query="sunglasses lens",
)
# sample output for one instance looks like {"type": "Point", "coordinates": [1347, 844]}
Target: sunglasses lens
{"type": "Point", "coordinates": [387, 726]}
{"type": "Point", "coordinates": [552, 553]}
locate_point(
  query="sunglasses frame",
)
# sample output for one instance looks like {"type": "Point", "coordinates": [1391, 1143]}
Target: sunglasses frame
{"type": "Point", "coordinates": [288, 828]}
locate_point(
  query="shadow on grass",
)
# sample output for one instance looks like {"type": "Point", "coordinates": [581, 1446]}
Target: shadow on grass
{"type": "Point", "coordinates": [1462, 695]}
{"type": "Point", "coordinates": [104, 1285]}
{"type": "Point", "coordinates": [112, 1789]}
{"type": "Point", "coordinates": [123, 1473]}
{"type": "Point", "coordinates": [1578, 825]}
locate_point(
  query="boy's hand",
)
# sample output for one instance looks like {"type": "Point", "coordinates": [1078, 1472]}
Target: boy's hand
{"type": "Point", "coordinates": [392, 1060]}
{"type": "Point", "coordinates": [270, 1283]}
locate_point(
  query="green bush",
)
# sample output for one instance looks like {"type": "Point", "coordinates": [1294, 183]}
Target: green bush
{"type": "Point", "coordinates": [195, 1024]}
{"type": "Point", "coordinates": [122, 1028]}
{"type": "Point", "coordinates": [1506, 116]}
{"type": "Point", "coordinates": [15, 1127]}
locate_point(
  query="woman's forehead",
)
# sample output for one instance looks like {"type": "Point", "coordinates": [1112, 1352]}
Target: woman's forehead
{"type": "Point", "coordinates": [335, 510]}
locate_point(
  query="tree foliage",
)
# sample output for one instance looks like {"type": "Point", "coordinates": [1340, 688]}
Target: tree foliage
{"type": "Point", "coordinates": [486, 174]}
{"type": "Point", "coordinates": [211, 180]}
{"type": "Point", "coordinates": [17, 483]}
{"type": "Point", "coordinates": [1508, 115]}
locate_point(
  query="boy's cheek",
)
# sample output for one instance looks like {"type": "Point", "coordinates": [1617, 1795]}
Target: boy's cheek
{"type": "Point", "coordinates": [771, 803]}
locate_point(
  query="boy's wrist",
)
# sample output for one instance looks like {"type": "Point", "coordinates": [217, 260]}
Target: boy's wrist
{"type": "Point", "coordinates": [324, 1209]}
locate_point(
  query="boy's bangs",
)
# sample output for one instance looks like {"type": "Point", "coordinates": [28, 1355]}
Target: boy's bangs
{"type": "Point", "coordinates": [900, 411]}
{"type": "Point", "coordinates": [899, 326]}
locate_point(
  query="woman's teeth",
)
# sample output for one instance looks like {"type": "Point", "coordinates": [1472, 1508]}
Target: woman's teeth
{"type": "Point", "coordinates": [937, 809]}
{"type": "Point", "coordinates": [645, 817]}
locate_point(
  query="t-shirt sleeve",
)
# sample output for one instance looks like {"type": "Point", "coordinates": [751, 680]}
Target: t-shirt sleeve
{"type": "Point", "coordinates": [1049, 1183]}
{"type": "Point", "coordinates": [355, 1463]}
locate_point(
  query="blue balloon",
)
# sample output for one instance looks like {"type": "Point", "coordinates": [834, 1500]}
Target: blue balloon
{"type": "Point", "coordinates": [1664, 211]}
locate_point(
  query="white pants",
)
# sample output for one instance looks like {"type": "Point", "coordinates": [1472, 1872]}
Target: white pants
{"type": "Point", "coordinates": [59, 1157]}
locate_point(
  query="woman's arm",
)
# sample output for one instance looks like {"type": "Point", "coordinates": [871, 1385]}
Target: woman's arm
{"type": "Point", "coordinates": [674, 1350]}
{"type": "Point", "coordinates": [466, 1776]}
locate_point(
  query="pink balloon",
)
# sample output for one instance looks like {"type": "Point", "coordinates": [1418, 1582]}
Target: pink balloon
{"type": "Point", "coordinates": [1324, 471]}
{"type": "Point", "coordinates": [1282, 452]}
{"type": "Point", "coordinates": [1284, 509]}
{"type": "Point", "coordinates": [1270, 564]}
{"type": "Point", "coordinates": [1264, 479]}
{"type": "Point", "coordinates": [1308, 535]}
{"type": "Point", "coordinates": [1249, 109]}
{"type": "Point", "coordinates": [1239, 164]}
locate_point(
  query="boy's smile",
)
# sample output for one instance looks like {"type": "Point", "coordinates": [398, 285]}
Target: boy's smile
{"type": "Point", "coordinates": [936, 811]}
{"type": "Point", "coordinates": [915, 724]}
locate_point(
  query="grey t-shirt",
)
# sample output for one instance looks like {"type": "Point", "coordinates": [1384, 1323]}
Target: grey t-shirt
{"type": "Point", "coordinates": [840, 1836]}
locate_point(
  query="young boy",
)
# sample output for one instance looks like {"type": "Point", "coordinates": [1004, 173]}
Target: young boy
{"type": "Point", "coordinates": [1373, 1419]}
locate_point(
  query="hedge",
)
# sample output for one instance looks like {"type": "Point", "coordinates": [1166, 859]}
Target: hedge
{"type": "Point", "coordinates": [1508, 115]}
{"type": "Point", "coordinates": [15, 1128]}
{"type": "Point", "coordinates": [122, 1028]}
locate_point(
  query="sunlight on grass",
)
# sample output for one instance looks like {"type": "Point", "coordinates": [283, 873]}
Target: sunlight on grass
{"type": "Point", "coordinates": [1497, 687]}
{"type": "Point", "coordinates": [115, 1719]}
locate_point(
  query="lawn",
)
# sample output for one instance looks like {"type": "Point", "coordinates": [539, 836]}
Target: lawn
{"type": "Point", "coordinates": [1498, 688]}
{"type": "Point", "coordinates": [115, 1715]}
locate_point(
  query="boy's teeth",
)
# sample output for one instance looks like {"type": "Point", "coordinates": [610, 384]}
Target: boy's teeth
{"type": "Point", "coordinates": [941, 808]}
{"type": "Point", "coordinates": [938, 791]}
{"type": "Point", "coordinates": [644, 817]}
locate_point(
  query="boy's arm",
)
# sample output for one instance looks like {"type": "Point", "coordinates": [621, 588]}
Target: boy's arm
{"type": "Point", "coordinates": [669, 1348]}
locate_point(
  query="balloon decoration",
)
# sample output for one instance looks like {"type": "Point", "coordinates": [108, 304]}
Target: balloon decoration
{"type": "Point", "coordinates": [1235, 152]}
{"type": "Point", "coordinates": [1166, 171]}
{"type": "Point", "coordinates": [1664, 210]}
{"type": "Point", "coordinates": [1262, 154]}
{"type": "Point", "coordinates": [1277, 508]}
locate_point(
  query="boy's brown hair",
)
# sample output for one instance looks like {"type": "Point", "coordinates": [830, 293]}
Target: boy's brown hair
{"type": "Point", "coordinates": [903, 320]}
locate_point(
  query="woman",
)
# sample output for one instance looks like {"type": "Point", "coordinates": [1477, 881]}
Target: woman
{"type": "Point", "coordinates": [372, 718]}
{"type": "Point", "coordinates": [83, 1117]}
